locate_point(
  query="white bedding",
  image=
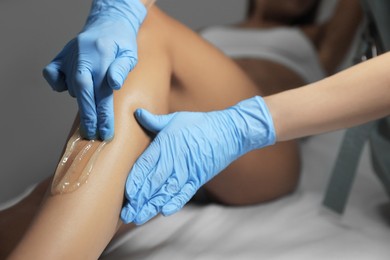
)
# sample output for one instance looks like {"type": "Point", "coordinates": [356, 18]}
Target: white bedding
{"type": "Point", "coordinates": [295, 227]}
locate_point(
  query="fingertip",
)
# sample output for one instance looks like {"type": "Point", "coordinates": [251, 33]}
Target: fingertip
{"type": "Point", "coordinates": [54, 77]}
{"type": "Point", "coordinates": [138, 112]}
{"type": "Point", "coordinates": [142, 115]}
{"type": "Point", "coordinates": [147, 120]}
{"type": "Point", "coordinates": [46, 73]}
{"type": "Point", "coordinates": [71, 91]}
{"type": "Point", "coordinates": [137, 223]}
{"type": "Point", "coordinates": [139, 220]}
{"type": "Point", "coordinates": [107, 137]}
{"type": "Point", "coordinates": [115, 81]}
{"type": "Point", "coordinates": [123, 215]}
{"type": "Point", "coordinates": [106, 128]}
{"type": "Point", "coordinates": [120, 68]}
{"type": "Point", "coordinates": [151, 122]}
{"type": "Point", "coordinates": [88, 132]}
{"type": "Point", "coordinates": [169, 209]}
{"type": "Point", "coordinates": [116, 86]}
{"type": "Point", "coordinates": [127, 214]}
{"type": "Point", "coordinates": [50, 70]}
{"type": "Point", "coordinates": [106, 133]}
{"type": "Point", "coordinates": [144, 216]}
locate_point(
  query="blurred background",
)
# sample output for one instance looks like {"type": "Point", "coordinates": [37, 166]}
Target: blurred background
{"type": "Point", "coordinates": [34, 120]}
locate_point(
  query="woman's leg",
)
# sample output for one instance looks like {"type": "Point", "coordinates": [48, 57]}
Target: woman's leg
{"type": "Point", "coordinates": [80, 224]}
{"type": "Point", "coordinates": [15, 220]}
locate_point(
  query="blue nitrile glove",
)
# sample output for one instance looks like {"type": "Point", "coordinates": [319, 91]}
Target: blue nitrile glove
{"type": "Point", "coordinates": [97, 62]}
{"type": "Point", "coordinates": [189, 149]}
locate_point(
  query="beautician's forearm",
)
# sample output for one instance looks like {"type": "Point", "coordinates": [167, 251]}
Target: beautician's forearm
{"type": "Point", "coordinates": [351, 97]}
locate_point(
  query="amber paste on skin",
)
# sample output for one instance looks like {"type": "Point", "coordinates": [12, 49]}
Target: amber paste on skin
{"type": "Point", "coordinates": [76, 164]}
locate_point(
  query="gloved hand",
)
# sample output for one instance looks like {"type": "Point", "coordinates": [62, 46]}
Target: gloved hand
{"type": "Point", "coordinates": [189, 149]}
{"type": "Point", "coordinates": [97, 62]}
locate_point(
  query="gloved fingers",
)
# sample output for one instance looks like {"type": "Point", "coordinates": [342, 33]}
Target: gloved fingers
{"type": "Point", "coordinates": [141, 169]}
{"type": "Point", "coordinates": [54, 76]}
{"type": "Point", "coordinates": [105, 112]}
{"type": "Point", "coordinates": [172, 186]}
{"type": "Point", "coordinates": [120, 68]}
{"type": "Point", "coordinates": [53, 72]}
{"type": "Point", "coordinates": [128, 213]}
{"type": "Point", "coordinates": [71, 88]}
{"type": "Point", "coordinates": [168, 177]}
{"type": "Point", "coordinates": [161, 175]}
{"type": "Point", "coordinates": [179, 200]}
{"type": "Point", "coordinates": [83, 86]}
{"type": "Point", "coordinates": [145, 211]}
{"type": "Point", "coordinates": [153, 123]}
{"type": "Point", "coordinates": [151, 208]}
{"type": "Point", "coordinates": [104, 99]}
{"type": "Point", "coordinates": [166, 187]}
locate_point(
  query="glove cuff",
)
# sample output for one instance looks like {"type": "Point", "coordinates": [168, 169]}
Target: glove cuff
{"type": "Point", "coordinates": [131, 10]}
{"type": "Point", "coordinates": [253, 122]}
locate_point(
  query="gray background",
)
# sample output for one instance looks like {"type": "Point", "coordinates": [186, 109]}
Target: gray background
{"type": "Point", "coordinates": [34, 120]}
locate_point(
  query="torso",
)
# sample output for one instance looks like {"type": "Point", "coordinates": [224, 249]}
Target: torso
{"type": "Point", "coordinates": [271, 76]}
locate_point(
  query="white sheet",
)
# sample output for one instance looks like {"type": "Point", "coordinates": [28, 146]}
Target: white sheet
{"type": "Point", "coordinates": [295, 227]}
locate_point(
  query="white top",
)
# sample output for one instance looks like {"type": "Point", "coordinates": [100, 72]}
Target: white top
{"type": "Point", "coordinates": [285, 45]}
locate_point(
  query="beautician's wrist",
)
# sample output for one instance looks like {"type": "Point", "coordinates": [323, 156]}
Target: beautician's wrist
{"type": "Point", "coordinates": [288, 115]}
{"type": "Point", "coordinates": [274, 110]}
{"type": "Point", "coordinates": [253, 124]}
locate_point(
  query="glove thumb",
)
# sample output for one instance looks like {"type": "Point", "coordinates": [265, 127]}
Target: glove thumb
{"type": "Point", "coordinates": [153, 123]}
{"type": "Point", "coordinates": [118, 71]}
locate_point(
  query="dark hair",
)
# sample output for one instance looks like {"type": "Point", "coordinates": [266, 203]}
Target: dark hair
{"type": "Point", "coordinates": [308, 18]}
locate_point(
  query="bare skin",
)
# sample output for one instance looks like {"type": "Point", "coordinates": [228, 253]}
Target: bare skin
{"type": "Point", "coordinates": [349, 98]}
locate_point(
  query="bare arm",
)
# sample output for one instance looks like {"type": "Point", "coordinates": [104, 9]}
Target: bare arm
{"type": "Point", "coordinates": [336, 35]}
{"type": "Point", "coordinates": [351, 97]}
